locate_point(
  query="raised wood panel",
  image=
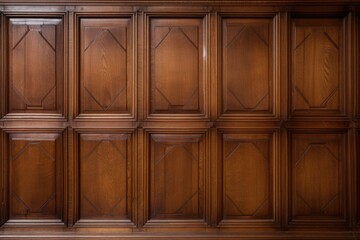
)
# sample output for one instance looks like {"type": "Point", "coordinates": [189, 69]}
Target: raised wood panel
{"type": "Point", "coordinates": [176, 176]}
{"type": "Point", "coordinates": [177, 66]}
{"type": "Point", "coordinates": [35, 65]}
{"type": "Point", "coordinates": [247, 176]}
{"type": "Point", "coordinates": [317, 172]}
{"type": "Point", "coordinates": [247, 65]}
{"type": "Point", "coordinates": [106, 65]}
{"type": "Point", "coordinates": [105, 177]}
{"type": "Point", "coordinates": [35, 177]}
{"type": "Point", "coordinates": [317, 78]}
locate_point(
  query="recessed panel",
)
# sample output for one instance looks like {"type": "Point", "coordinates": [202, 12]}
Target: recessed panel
{"type": "Point", "coordinates": [106, 66]}
{"type": "Point", "coordinates": [247, 66]}
{"type": "Point", "coordinates": [176, 176]}
{"type": "Point", "coordinates": [177, 66]}
{"type": "Point", "coordinates": [247, 176]}
{"type": "Point", "coordinates": [36, 65]}
{"type": "Point", "coordinates": [317, 79]}
{"type": "Point", "coordinates": [35, 177]}
{"type": "Point", "coordinates": [105, 177]}
{"type": "Point", "coordinates": [317, 177]}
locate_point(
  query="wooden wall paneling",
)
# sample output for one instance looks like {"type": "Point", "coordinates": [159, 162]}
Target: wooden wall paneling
{"type": "Point", "coordinates": [248, 174]}
{"type": "Point", "coordinates": [3, 177]}
{"type": "Point", "coordinates": [177, 82]}
{"type": "Point", "coordinates": [106, 65]}
{"type": "Point", "coordinates": [357, 179]}
{"type": "Point", "coordinates": [35, 64]}
{"type": "Point", "coordinates": [176, 169]}
{"type": "Point", "coordinates": [104, 179]}
{"type": "Point", "coordinates": [318, 80]}
{"type": "Point", "coordinates": [34, 176]}
{"type": "Point", "coordinates": [318, 186]}
{"type": "Point", "coordinates": [248, 60]}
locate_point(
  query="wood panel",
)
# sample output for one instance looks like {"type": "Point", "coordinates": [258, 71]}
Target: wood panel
{"type": "Point", "coordinates": [317, 171]}
{"type": "Point", "coordinates": [35, 176]}
{"type": "Point", "coordinates": [105, 177]}
{"type": "Point", "coordinates": [176, 176]}
{"type": "Point", "coordinates": [317, 70]}
{"type": "Point", "coordinates": [106, 65]}
{"type": "Point", "coordinates": [177, 66]}
{"type": "Point", "coordinates": [35, 65]}
{"type": "Point", "coordinates": [247, 176]}
{"type": "Point", "coordinates": [247, 81]}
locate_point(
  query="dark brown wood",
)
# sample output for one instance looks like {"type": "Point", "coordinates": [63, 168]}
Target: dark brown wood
{"type": "Point", "coordinates": [35, 65]}
{"type": "Point", "coordinates": [177, 65]}
{"type": "Point", "coordinates": [179, 119]}
{"type": "Point", "coordinates": [318, 83]}
{"type": "Point", "coordinates": [35, 177]}
{"type": "Point", "coordinates": [318, 165]}
{"type": "Point", "coordinates": [106, 65]}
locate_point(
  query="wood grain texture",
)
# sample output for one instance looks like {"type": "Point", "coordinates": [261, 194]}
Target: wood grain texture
{"type": "Point", "coordinates": [317, 86]}
{"type": "Point", "coordinates": [35, 178]}
{"type": "Point", "coordinates": [105, 176]}
{"type": "Point", "coordinates": [179, 119]}
{"type": "Point", "coordinates": [177, 66]}
{"type": "Point", "coordinates": [177, 176]}
{"type": "Point", "coordinates": [106, 65]}
{"type": "Point", "coordinates": [36, 59]}
{"type": "Point", "coordinates": [247, 65]}
{"type": "Point", "coordinates": [317, 177]}
{"type": "Point", "coordinates": [247, 176]}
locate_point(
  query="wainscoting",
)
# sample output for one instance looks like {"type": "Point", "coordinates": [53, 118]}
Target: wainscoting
{"type": "Point", "coordinates": [180, 119]}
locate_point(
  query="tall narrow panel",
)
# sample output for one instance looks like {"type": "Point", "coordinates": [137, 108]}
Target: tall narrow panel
{"type": "Point", "coordinates": [106, 65]}
{"type": "Point", "coordinates": [247, 176]}
{"type": "Point", "coordinates": [247, 66]}
{"type": "Point", "coordinates": [35, 183]}
{"type": "Point", "coordinates": [177, 66]}
{"type": "Point", "coordinates": [317, 81]}
{"type": "Point", "coordinates": [36, 65]}
{"type": "Point", "coordinates": [177, 176]}
{"type": "Point", "coordinates": [105, 174]}
{"type": "Point", "coordinates": [317, 177]}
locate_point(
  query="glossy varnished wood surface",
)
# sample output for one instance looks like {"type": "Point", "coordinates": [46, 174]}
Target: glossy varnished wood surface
{"type": "Point", "coordinates": [179, 119]}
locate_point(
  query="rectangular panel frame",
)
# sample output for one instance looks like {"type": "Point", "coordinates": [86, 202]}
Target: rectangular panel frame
{"type": "Point", "coordinates": [274, 221]}
{"type": "Point", "coordinates": [157, 224]}
{"type": "Point", "coordinates": [344, 67]}
{"type": "Point", "coordinates": [274, 77]}
{"type": "Point", "coordinates": [132, 78]}
{"type": "Point", "coordinates": [62, 93]}
{"type": "Point", "coordinates": [204, 16]}
{"type": "Point", "coordinates": [346, 175]}
{"type": "Point", "coordinates": [131, 198]}
{"type": "Point", "coordinates": [61, 179]}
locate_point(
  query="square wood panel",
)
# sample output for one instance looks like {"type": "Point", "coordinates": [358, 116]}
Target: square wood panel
{"type": "Point", "coordinates": [106, 66]}
{"type": "Point", "coordinates": [35, 65]}
{"type": "Point", "coordinates": [105, 178]}
{"type": "Point", "coordinates": [247, 66]}
{"type": "Point", "coordinates": [177, 176]}
{"type": "Point", "coordinates": [177, 66]}
{"type": "Point", "coordinates": [318, 84]}
{"type": "Point", "coordinates": [36, 175]}
{"type": "Point", "coordinates": [317, 176]}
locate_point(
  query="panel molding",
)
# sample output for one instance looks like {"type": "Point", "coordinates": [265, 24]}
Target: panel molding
{"type": "Point", "coordinates": [128, 90]}
{"type": "Point", "coordinates": [190, 29]}
{"type": "Point", "coordinates": [234, 102]}
{"type": "Point", "coordinates": [51, 30]}
{"type": "Point", "coordinates": [174, 142]}
{"type": "Point", "coordinates": [56, 214]}
{"type": "Point", "coordinates": [128, 218]}
{"type": "Point", "coordinates": [328, 149]}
